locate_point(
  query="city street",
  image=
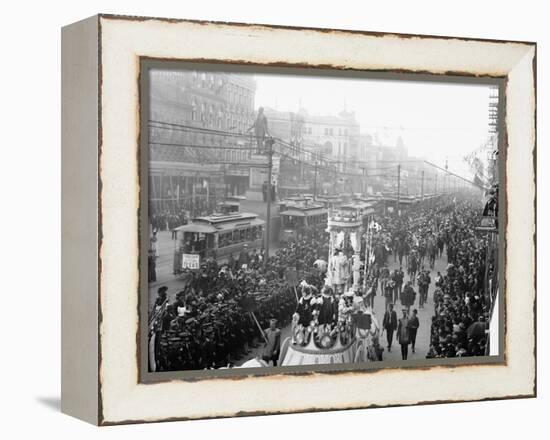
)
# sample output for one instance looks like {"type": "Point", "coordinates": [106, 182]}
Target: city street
{"type": "Point", "coordinates": [424, 316]}
{"type": "Point", "coordinates": [224, 150]}
{"type": "Point", "coordinates": [165, 277]}
{"type": "Point", "coordinates": [165, 267]}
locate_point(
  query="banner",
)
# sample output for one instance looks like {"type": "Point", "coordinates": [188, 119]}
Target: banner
{"type": "Point", "coordinates": [190, 261]}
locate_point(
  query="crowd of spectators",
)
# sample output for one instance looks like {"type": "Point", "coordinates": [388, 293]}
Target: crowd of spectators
{"type": "Point", "coordinates": [168, 219]}
{"type": "Point", "coordinates": [462, 305]}
{"type": "Point", "coordinates": [208, 325]}
{"type": "Point", "coordinates": [461, 302]}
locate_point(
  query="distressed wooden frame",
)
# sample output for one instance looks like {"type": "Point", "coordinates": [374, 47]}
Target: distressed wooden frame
{"type": "Point", "coordinates": [101, 201]}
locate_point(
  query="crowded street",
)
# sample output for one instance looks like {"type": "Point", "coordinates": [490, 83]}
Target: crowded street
{"type": "Point", "coordinates": [282, 237]}
{"type": "Point", "coordinates": [438, 261]}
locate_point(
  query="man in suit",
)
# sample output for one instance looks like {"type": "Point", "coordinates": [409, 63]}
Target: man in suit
{"type": "Point", "coordinates": [408, 296]}
{"type": "Point", "coordinates": [413, 325]}
{"type": "Point", "coordinates": [272, 346]}
{"type": "Point", "coordinates": [403, 336]}
{"type": "Point", "coordinates": [389, 324]}
{"type": "Point", "coordinates": [244, 258]}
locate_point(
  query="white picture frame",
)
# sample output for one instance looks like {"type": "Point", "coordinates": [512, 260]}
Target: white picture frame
{"type": "Point", "coordinates": [101, 381]}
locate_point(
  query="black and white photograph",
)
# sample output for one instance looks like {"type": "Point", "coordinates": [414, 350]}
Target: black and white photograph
{"type": "Point", "coordinates": [243, 219]}
{"type": "Point", "coordinates": [310, 219]}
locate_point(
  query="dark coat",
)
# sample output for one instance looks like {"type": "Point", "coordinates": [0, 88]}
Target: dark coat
{"type": "Point", "coordinates": [390, 320]}
{"type": "Point", "coordinates": [414, 323]}
{"type": "Point", "coordinates": [403, 336]}
{"type": "Point", "coordinates": [328, 311]}
{"type": "Point", "coordinates": [408, 296]}
{"type": "Point", "coordinates": [305, 310]}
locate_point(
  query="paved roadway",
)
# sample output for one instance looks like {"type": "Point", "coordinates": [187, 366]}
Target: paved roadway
{"type": "Point", "coordinates": [164, 268]}
{"type": "Point", "coordinates": [424, 316]}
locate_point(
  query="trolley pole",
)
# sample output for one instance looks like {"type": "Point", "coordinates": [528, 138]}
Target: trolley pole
{"type": "Point", "coordinates": [398, 187]}
{"type": "Point", "coordinates": [422, 188]}
{"type": "Point", "coordinates": [269, 143]}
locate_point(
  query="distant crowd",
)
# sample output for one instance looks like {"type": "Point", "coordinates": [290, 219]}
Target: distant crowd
{"type": "Point", "coordinates": [203, 325]}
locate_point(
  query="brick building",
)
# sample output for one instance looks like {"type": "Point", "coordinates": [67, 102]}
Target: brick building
{"type": "Point", "coordinates": [196, 122]}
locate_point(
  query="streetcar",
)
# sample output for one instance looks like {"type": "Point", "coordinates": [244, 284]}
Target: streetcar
{"type": "Point", "coordinates": [330, 201]}
{"type": "Point", "coordinates": [293, 201]}
{"type": "Point", "coordinates": [230, 205]}
{"type": "Point", "coordinates": [216, 236]}
{"type": "Point", "coordinates": [362, 210]}
{"type": "Point", "coordinates": [297, 219]}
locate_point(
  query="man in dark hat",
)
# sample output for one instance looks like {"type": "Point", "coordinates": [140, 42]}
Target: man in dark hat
{"type": "Point", "coordinates": [152, 266]}
{"type": "Point", "coordinates": [403, 336]}
{"type": "Point", "coordinates": [408, 296]}
{"type": "Point", "coordinates": [159, 315]}
{"type": "Point", "coordinates": [413, 325]}
{"type": "Point", "coordinates": [272, 346]}
{"type": "Point", "coordinates": [389, 324]}
{"type": "Point", "coordinates": [244, 258]}
{"type": "Point", "coordinates": [161, 295]}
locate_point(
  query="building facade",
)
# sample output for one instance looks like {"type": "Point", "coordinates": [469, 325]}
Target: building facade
{"type": "Point", "coordinates": [197, 121]}
{"type": "Point", "coordinates": [333, 135]}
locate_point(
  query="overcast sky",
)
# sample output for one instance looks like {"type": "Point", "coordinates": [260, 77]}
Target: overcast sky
{"type": "Point", "coordinates": [437, 121]}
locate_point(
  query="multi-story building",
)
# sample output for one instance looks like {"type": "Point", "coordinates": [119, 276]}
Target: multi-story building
{"type": "Point", "coordinates": [196, 125]}
{"type": "Point", "coordinates": [333, 135]}
{"type": "Point", "coordinates": [379, 156]}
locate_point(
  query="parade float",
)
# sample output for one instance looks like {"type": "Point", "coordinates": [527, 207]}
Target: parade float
{"type": "Point", "coordinates": [352, 336]}
{"type": "Point", "coordinates": [332, 326]}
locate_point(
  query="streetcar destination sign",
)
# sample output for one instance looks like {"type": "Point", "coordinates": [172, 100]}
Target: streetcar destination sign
{"type": "Point", "coordinates": [190, 261]}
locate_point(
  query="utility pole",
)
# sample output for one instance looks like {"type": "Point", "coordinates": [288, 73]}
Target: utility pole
{"type": "Point", "coordinates": [422, 188]}
{"type": "Point", "coordinates": [269, 143]}
{"type": "Point", "coordinates": [398, 186]}
{"type": "Point", "coordinates": [315, 182]}
{"type": "Point", "coordinates": [193, 199]}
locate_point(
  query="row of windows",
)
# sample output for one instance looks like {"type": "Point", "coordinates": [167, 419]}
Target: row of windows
{"type": "Point", "coordinates": [331, 131]}
{"type": "Point", "coordinates": [327, 131]}
{"type": "Point", "coordinates": [215, 117]}
{"type": "Point", "coordinates": [290, 221]}
{"type": "Point", "coordinates": [234, 155]}
{"type": "Point", "coordinates": [239, 236]}
{"type": "Point", "coordinates": [215, 82]}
